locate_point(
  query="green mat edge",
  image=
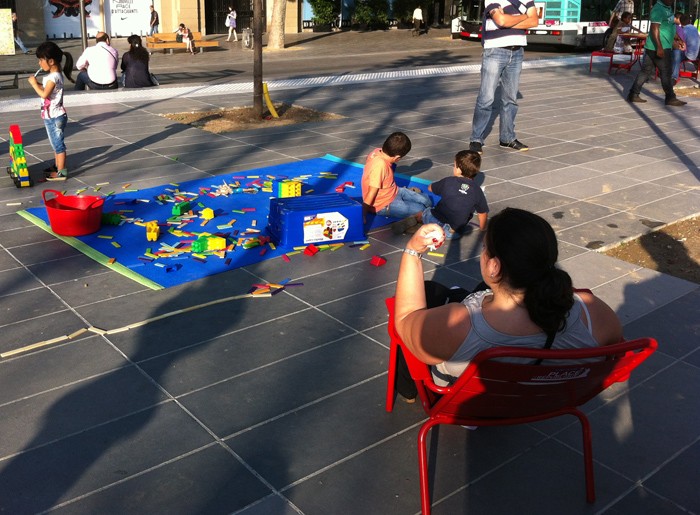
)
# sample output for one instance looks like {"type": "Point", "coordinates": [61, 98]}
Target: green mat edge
{"type": "Point", "coordinates": [92, 253]}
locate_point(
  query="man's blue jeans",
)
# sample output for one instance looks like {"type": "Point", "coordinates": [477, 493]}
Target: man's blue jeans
{"type": "Point", "coordinates": [83, 79]}
{"type": "Point", "coordinates": [498, 66]}
{"type": "Point", "coordinates": [406, 203]}
{"type": "Point", "coordinates": [678, 57]}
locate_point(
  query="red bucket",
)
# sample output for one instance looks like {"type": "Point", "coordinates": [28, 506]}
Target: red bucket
{"type": "Point", "coordinates": [71, 215]}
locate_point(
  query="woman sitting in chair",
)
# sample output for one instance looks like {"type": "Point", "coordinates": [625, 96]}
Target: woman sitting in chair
{"type": "Point", "coordinates": [526, 301]}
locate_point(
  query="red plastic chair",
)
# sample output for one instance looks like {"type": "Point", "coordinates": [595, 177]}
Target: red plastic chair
{"type": "Point", "coordinates": [493, 393]}
{"type": "Point", "coordinates": [634, 57]}
{"type": "Point", "coordinates": [690, 74]}
{"type": "Point", "coordinates": [601, 53]}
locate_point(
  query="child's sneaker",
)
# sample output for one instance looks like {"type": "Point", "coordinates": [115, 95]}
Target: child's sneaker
{"type": "Point", "coordinates": [401, 226]}
{"type": "Point", "coordinates": [60, 175]}
{"type": "Point", "coordinates": [50, 170]}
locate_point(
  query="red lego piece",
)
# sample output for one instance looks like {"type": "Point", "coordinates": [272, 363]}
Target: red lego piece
{"type": "Point", "coordinates": [340, 189]}
{"type": "Point", "coordinates": [311, 250]}
{"type": "Point", "coordinates": [378, 261]}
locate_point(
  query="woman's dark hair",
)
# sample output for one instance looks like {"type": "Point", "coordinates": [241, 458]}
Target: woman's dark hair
{"type": "Point", "coordinates": [136, 49]}
{"type": "Point", "coordinates": [50, 50]}
{"type": "Point", "coordinates": [526, 247]}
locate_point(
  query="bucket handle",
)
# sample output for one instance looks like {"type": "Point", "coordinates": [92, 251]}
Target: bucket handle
{"type": "Point", "coordinates": [55, 192]}
{"type": "Point", "coordinates": [96, 201]}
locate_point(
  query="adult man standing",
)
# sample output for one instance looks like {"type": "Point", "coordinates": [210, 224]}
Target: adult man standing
{"type": "Point", "coordinates": [658, 53]}
{"type": "Point", "coordinates": [503, 37]}
{"type": "Point", "coordinates": [98, 65]}
{"type": "Point", "coordinates": [622, 6]}
{"type": "Point", "coordinates": [417, 20]}
{"type": "Point", "coordinates": [155, 21]}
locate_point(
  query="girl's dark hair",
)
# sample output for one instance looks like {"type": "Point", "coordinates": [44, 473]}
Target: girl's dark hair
{"type": "Point", "coordinates": [526, 247]}
{"type": "Point", "coordinates": [50, 50]}
{"type": "Point", "coordinates": [136, 49]}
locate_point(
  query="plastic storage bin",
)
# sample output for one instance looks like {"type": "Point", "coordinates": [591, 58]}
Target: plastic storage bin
{"type": "Point", "coordinates": [309, 219]}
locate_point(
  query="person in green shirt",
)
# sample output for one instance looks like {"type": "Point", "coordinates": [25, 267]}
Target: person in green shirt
{"type": "Point", "coordinates": [658, 53]}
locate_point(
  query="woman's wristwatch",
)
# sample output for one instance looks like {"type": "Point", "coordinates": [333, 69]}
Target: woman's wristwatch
{"type": "Point", "coordinates": [412, 252]}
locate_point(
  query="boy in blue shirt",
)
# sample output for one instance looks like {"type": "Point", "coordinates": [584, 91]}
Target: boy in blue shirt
{"type": "Point", "coordinates": [460, 197]}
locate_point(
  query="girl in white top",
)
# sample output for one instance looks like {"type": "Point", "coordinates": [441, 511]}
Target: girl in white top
{"type": "Point", "coordinates": [52, 111]}
{"type": "Point", "coordinates": [529, 299]}
{"type": "Point", "coordinates": [231, 24]}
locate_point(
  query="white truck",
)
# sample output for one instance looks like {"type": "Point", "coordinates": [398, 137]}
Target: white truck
{"type": "Point", "coordinates": [561, 23]}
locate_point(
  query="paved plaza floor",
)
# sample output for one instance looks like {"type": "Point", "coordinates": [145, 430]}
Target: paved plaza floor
{"type": "Point", "coordinates": [276, 405]}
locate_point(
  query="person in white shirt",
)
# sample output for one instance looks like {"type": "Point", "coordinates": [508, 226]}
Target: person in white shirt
{"type": "Point", "coordinates": [98, 65]}
{"type": "Point", "coordinates": [417, 20]}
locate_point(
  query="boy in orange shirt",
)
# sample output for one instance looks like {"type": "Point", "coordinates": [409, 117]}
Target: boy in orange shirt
{"type": "Point", "coordinates": [381, 195]}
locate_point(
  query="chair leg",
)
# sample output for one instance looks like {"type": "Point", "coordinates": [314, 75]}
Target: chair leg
{"type": "Point", "coordinates": [423, 466]}
{"type": "Point", "coordinates": [587, 455]}
{"type": "Point", "coordinates": [391, 378]}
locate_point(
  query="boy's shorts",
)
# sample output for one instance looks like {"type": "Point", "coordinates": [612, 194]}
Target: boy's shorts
{"type": "Point", "coordinates": [429, 218]}
{"type": "Point", "coordinates": [54, 129]}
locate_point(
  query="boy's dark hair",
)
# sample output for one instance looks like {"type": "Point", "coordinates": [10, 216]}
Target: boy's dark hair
{"type": "Point", "coordinates": [50, 50]}
{"type": "Point", "coordinates": [685, 19]}
{"type": "Point", "coordinates": [625, 15]}
{"type": "Point", "coordinates": [469, 162]}
{"type": "Point", "coordinates": [397, 144]}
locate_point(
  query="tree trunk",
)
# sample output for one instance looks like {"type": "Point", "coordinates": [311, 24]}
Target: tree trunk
{"type": "Point", "coordinates": [275, 39]}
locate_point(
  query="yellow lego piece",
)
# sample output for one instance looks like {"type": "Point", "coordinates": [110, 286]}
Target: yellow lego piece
{"type": "Point", "coordinates": [152, 231]}
{"type": "Point", "coordinates": [288, 189]}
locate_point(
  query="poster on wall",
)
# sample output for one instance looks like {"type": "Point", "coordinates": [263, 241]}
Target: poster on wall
{"type": "Point", "coordinates": [7, 42]}
{"type": "Point", "coordinates": [126, 17]}
{"type": "Point", "coordinates": [62, 18]}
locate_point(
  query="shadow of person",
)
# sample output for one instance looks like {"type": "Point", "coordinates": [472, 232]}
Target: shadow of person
{"type": "Point", "coordinates": [125, 421]}
{"type": "Point", "coordinates": [670, 256]}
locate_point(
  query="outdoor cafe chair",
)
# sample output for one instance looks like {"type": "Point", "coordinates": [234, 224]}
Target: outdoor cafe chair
{"type": "Point", "coordinates": [493, 392]}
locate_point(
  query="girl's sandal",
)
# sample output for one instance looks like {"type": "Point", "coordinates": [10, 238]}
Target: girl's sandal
{"type": "Point", "coordinates": [60, 175]}
{"type": "Point", "coordinates": [50, 170]}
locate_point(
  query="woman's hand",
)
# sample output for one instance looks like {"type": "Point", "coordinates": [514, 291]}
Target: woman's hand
{"type": "Point", "coordinates": [428, 237]}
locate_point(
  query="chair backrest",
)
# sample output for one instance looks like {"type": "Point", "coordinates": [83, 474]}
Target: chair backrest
{"type": "Point", "coordinates": [504, 382]}
{"type": "Point", "coordinates": [493, 388]}
{"type": "Point", "coordinates": [419, 371]}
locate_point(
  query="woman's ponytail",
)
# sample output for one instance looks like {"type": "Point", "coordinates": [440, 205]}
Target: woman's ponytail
{"type": "Point", "coordinates": [526, 247]}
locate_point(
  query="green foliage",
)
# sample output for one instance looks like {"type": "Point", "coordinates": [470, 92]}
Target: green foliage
{"type": "Point", "coordinates": [403, 10]}
{"type": "Point", "coordinates": [373, 13]}
{"type": "Point", "coordinates": [325, 11]}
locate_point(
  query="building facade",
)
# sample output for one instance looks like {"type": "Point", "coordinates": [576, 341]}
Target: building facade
{"type": "Point", "coordinates": [60, 19]}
